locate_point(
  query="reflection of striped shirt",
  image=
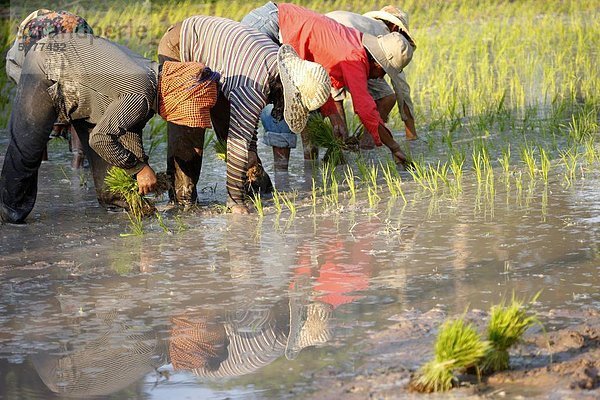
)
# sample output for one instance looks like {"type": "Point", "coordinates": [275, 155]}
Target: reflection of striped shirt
{"type": "Point", "coordinates": [104, 84]}
{"type": "Point", "coordinates": [247, 62]}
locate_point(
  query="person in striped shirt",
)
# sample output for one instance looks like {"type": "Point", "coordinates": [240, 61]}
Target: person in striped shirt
{"type": "Point", "coordinates": [104, 90]}
{"type": "Point", "coordinates": [254, 72]}
{"type": "Point", "coordinates": [350, 57]}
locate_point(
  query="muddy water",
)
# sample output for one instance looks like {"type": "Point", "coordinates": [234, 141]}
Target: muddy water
{"type": "Point", "coordinates": [230, 306]}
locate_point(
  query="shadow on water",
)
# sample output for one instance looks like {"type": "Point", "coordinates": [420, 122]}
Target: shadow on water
{"type": "Point", "coordinates": [224, 305]}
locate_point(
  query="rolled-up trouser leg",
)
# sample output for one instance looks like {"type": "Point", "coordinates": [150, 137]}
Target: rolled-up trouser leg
{"type": "Point", "coordinates": [184, 161]}
{"type": "Point", "coordinates": [99, 168]}
{"type": "Point", "coordinates": [31, 121]}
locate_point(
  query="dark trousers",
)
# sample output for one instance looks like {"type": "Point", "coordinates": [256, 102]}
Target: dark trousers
{"type": "Point", "coordinates": [29, 128]}
{"type": "Point", "coordinates": [185, 146]}
{"type": "Point", "coordinates": [31, 120]}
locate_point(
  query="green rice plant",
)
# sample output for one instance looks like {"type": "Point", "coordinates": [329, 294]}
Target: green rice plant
{"type": "Point", "coordinates": [519, 184]}
{"type": "Point", "coordinates": [390, 179]}
{"type": "Point", "coordinates": [277, 201]}
{"type": "Point", "coordinates": [544, 165]}
{"type": "Point", "coordinates": [334, 191]}
{"type": "Point", "coordinates": [507, 325]}
{"type": "Point", "coordinates": [258, 205]}
{"type": "Point", "coordinates": [372, 174]}
{"type": "Point", "coordinates": [320, 134]}
{"type": "Point", "coordinates": [289, 199]}
{"type": "Point", "coordinates": [583, 125]}
{"type": "Point", "coordinates": [363, 170]}
{"type": "Point", "coordinates": [590, 153]}
{"type": "Point", "coordinates": [478, 165]}
{"type": "Point", "coordinates": [528, 158]}
{"type": "Point", "coordinates": [350, 181]}
{"type": "Point", "coordinates": [441, 172]}
{"type": "Point", "coordinates": [505, 160]}
{"type": "Point", "coordinates": [570, 159]}
{"type": "Point", "coordinates": [458, 346]}
{"type": "Point", "coordinates": [457, 161]}
{"type": "Point", "coordinates": [419, 173]}
{"type": "Point", "coordinates": [373, 197]}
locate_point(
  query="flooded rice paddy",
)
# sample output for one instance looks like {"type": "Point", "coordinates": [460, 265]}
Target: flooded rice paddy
{"type": "Point", "coordinates": [229, 306]}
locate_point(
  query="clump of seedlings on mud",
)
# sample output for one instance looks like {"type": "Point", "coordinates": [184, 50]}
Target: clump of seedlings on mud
{"type": "Point", "coordinates": [507, 325]}
{"type": "Point", "coordinates": [458, 346]}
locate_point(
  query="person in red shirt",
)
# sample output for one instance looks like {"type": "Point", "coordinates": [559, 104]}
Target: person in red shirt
{"type": "Point", "coordinates": [349, 56]}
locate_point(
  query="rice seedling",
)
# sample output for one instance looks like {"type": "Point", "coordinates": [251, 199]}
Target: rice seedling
{"type": "Point", "coordinates": [528, 158]}
{"type": "Point", "coordinates": [478, 165]}
{"type": "Point", "coordinates": [363, 170]}
{"type": "Point", "coordinates": [590, 152]}
{"type": "Point", "coordinates": [458, 346]}
{"type": "Point", "coordinates": [570, 158]}
{"type": "Point", "coordinates": [373, 197]}
{"type": "Point", "coordinates": [507, 325]}
{"type": "Point", "coordinates": [258, 205]}
{"type": "Point", "coordinates": [391, 180]}
{"type": "Point", "coordinates": [519, 185]}
{"type": "Point", "coordinates": [372, 174]}
{"type": "Point", "coordinates": [583, 125]}
{"type": "Point", "coordinates": [544, 165]}
{"type": "Point", "coordinates": [504, 160]}
{"type": "Point", "coordinates": [334, 192]}
{"type": "Point", "coordinates": [289, 199]}
{"type": "Point", "coordinates": [350, 182]}
{"type": "Point", "coordinates": [277, 201]}
{"type": "Point", "coordinates": [457, 161]}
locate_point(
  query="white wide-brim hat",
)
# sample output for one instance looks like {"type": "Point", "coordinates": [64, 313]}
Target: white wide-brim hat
{"type": "Point", "coordinates": [395, 16]}
{"type": "Point", "coordinates": [306, 87]}
{"type": "Point", "coordinates": [392, 51]}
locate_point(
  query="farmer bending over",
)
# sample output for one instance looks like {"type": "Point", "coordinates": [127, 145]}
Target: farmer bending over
{"type": "Point", "coordinates": [105, 91]}
{"type": "Point", "coordinates": [377, 23]}
{"type": "Point", "coordinates": [350, 57]}
{"type": "Point", "coordinates": [254, 72]}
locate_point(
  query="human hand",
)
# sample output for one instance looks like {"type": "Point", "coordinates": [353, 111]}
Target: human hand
{"type": "Point", "coordinates": [339, 126]}
{"type": "Point", "coordinates": [146, 180]}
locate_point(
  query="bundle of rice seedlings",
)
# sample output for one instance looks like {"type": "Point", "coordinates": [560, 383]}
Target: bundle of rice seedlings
{"type": "Point", "coordinates": [122, 184]}
{"type": "Point", "coordinates": [320, 133]}
{"type": "Point", "coordinates": [508, 324]}
{"type": "Point", "coordinates": [458, 346]}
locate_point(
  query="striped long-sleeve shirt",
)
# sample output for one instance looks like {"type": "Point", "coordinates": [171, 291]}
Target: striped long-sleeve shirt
{"type": "Point", "coordinates": [247, 62]}
{"type": "Point", "coordinates": [104, 84]}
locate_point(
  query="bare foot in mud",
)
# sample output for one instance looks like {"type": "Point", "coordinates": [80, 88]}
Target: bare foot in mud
{"type": "Point", "coordinates": [411, 137]}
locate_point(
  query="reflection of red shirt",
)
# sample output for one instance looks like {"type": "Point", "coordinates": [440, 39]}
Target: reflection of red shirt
{"type": "Point", "coordinates": [340, 51]}
{"type": "Point", "coordinates": [335, 283]}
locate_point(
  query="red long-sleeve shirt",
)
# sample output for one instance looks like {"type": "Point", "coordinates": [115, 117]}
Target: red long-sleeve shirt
{"type": "Point", "coordinates": [340, 51]}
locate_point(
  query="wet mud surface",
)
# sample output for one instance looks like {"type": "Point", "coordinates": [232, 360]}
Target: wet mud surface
{"type": "Point", "coordinates": [333, 302]}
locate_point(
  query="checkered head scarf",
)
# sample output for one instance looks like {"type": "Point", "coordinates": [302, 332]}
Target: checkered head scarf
{"type": "Point", "coordinates": [186, 93]}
